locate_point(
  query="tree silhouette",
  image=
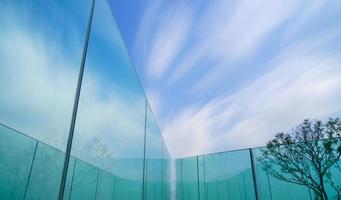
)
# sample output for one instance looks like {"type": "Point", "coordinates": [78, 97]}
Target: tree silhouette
{"type": "Point", "coordinates": [306, 156]}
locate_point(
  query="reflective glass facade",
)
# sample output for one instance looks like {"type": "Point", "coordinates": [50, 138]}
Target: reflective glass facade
{"type": "Point", "coordinates": [75, 122]}
{"type": "Point", "coordinates": [231, 175]}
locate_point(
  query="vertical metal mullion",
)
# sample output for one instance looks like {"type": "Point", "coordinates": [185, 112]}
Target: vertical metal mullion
{"type": "Point", "coordinates": [205, 186]}
{"type": "Point", "coordinates": [31, 167]}
{"type": "Point", "coordinates": [144, 151]}
{"type": "Point", "coordinates": [182, 181]}
{"type": "Point", "coordinates": [146, 180]}
{"type": "Point", "coordinates": [198, 178]}
{"type": "Point", "coordinates": [72, 178]}
{"type": "Point", "coordinates": [76, 101]}
{"type": "Point", "coordinates": [254, 177]}
{"type": "Point", "coordinates": [97, 183]}
{"type": "Point", "coordinates": [162, 173]}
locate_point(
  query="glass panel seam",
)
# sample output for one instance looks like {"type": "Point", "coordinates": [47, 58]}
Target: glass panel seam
{"type": "Point", "coordinates": [255, 184]}
{"type": "Point", "coordinates": [76, 101]}
{"type": "Point", "coordinates": [31, 167]}
{"type": "Point", "coordinates": [144, 152]}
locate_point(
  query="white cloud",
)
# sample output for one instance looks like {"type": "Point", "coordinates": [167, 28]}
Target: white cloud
{"type": "Point", "coordinates": [302, 84]}
{"type": "Point", "coordinates": [171, 32]}
{"type": "Point", "coordinates": [233, 35]}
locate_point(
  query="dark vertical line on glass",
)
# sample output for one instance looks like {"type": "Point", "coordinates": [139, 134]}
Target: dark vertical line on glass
{"type": "Point", "coordinates": [205, 186]}
{"type": "Point", "coordinates": [254, 177]}
{"type": "Point", "coordinates": [144, 151]}
{"type": "Point", "coordinates": [76, 101]}
{"type": "Point", "coordinates": [97, 183]}
{"type": "Point", "coordinates": [269, 185]}
{"type": "Point", "coordinates": [146, 184]}
{"type": "Point", "coordinates": [162, 184]}
{"type": "Point", "coordinates": [72, 178]}
{"type": "Point", "coordinates": [31, 167]}
{"type": "Point", "coordinates": [182, 181]}
{"type": "Point", "coordinates": [198, 178]}
{"type": "Point", "coordinates": [244, 185]}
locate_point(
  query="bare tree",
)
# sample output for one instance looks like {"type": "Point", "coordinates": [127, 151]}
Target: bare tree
{"type": "Point", "coordinates": [306, 156]}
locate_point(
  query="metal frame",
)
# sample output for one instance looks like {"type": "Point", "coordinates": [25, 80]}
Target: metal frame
{"type": "Point", "coordinates": [76, 102]}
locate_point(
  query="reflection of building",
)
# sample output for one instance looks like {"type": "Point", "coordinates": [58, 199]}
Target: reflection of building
{"type": "Point", "coordinates": [117, 149]}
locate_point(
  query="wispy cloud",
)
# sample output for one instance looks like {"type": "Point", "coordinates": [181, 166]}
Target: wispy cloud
{"type": "Point", "coordinates": [285, 61]}
{"type": "Point", "coordinates": [223, 30]}
{"type": "Point", "coordinates": [171, 28]}
{"type": "Point", "coordinates": [302, 84]}
{"type": "Point", "coordinates": [234, 36]}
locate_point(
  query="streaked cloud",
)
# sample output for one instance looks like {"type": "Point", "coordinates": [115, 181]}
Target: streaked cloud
{"type": "Point", "coordinates": [225, 30]}
{"type": "Point", "coordinates": [301, 84]}
{"type": "Point", "coordinates": [173, 26]}
{"type": "Point", "coordinates": [242, 70]}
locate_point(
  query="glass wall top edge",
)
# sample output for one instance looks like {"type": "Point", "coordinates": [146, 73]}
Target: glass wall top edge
{"type": "Point", "coordinates": [138, 79]}
{"type": "Point", "coordinates": [243, 149]}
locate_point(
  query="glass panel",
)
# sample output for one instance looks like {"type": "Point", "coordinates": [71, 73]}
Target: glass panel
{"type": "Point", "coordinates": [40, 55]}
{"type": "Point", "coordinates": [110, 126]}
{"type": "Point", "coordinates": [106, 184]}
{"type": "Point", "coordinates": [188, 179]}
{"type": "Point", "coordinates": [272, 188]}
{"type": "Point", "coordinates": [215, 176]}
{"type": "Point", "coordinates": [128, 179]}
{"type": "Point", "coordinates": [69, 178]}
{"type": "Point", "coordinates": [228, 175]}
{"type": "Point", "coordinates": [41, 44]}
{"type": "Point", "coordinates": [84, 181]}
{"type": "Point", "coordinates": [16, 156]}
{"type": "Point", "coordinates": [46, 173]}
{"type": "Point", "coordinates": [336, 177]}
{"type": "Point", "coordinates": [154, 162]}
{"type": "Point", "coordinates": [179, 190]}
{"type": "Point", "coordinates": [166, 178]}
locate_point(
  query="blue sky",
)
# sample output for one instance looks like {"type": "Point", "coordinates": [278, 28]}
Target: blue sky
{"type": "Point", "coordinates": [224, 75]}
{"type": "Point", "coordinates": [219, 75]}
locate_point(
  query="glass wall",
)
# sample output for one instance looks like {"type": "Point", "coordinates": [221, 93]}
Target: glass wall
{"type": "Point", "coordinates": [117, 151]}
{"type": "Point", "coordinates": [215, 176]}
{"type": "Point", "coordinates": [110, 127]}
{"type": "Point", "coordinates": [41, 46]}
{"type": "Point", "coordinates": [272, 188]}
{"type": "Point", "coordinates": [231, 175]}
{"type": "Point", "coordinates": [153, 162]}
